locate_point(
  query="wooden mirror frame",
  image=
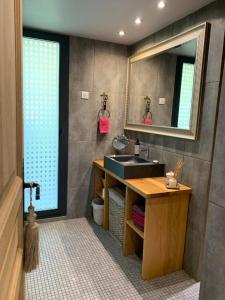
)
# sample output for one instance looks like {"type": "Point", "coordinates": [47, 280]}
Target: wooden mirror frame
{"type": "Point", "coordinates": [201, 32]}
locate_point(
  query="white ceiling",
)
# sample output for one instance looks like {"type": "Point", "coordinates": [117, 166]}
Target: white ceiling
{"type": "Point", "coordinates": [102, 19]}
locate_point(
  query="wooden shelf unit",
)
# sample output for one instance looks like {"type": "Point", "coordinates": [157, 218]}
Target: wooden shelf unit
{"type": "Point", "coordinates": [99, 175]}
{"type": "Point", "coordinates": [99, 194]}
{"type": "Point", "coordinates": [131, 224]}
{"type": "Point", "coordinates": [163, 238]}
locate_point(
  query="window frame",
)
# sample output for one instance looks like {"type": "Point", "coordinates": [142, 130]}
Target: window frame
{"type": "Point", "coordinates": [177, 87]}
{"type": "Point", "coordinates": [63, 117]}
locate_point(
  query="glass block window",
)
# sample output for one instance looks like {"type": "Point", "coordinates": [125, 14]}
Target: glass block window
{"type": "Point", "coordinates": [186, 95]}
{"type": "Point", "coordinates": [41, 119]}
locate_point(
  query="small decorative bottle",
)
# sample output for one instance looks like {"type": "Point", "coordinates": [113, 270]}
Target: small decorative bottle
{"type": "Point", "coordinates": [137, 148]}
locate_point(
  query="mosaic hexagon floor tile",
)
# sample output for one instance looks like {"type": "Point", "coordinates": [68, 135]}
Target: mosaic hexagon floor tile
{"type": "Point", "coordinates": [80, 260]}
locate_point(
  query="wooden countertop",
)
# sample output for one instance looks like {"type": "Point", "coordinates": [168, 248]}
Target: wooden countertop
{"type": "Point", "coordinates": [147, 187]}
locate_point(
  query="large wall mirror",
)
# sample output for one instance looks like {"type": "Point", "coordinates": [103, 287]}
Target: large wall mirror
{"type": "Point", "coordinates": [164, 87]}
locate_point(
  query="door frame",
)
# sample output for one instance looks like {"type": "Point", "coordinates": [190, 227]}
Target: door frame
{"type": "Point", "coordinates": [63, 117]}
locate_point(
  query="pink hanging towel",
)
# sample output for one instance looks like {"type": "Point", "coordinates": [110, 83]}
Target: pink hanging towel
{"type": "Point", "coordinates": [104, 125]}
{"type": "Point", "coordinates": [148, 121]}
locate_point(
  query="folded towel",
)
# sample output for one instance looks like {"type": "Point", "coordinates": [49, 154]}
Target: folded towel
{"type": "Point", "coordinates": [140, 209]}
{"type": "Point", "coordinates": [138, 220]}
{"type": "Point", "coordinates": [137, 216]}
{"type": "Point", "coordinates": [104, 125]}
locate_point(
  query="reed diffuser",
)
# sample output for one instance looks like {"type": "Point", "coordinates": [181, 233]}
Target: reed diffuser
{"type": "Point", "coordinates": [171, 177]}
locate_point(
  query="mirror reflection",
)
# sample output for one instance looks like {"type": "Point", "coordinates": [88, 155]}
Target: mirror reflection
{"type": "Point", "coordinates": [161, 88]}
{"type": "Point", "coordinates": [120, 142]}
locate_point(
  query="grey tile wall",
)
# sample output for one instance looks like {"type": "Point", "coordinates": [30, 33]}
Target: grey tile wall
{"type": "Point", "coordinates": [197, 154]}
{"type": "Point", "coordinates": [212, 284]}
{"type": "Point", "coordinates": [95, 67]}
{"type": "Point", "coordinates": [213, 277]}
{"type": "Point", "coordinates": [99, 66]}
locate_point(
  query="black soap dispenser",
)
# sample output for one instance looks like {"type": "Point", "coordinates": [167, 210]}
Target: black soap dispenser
{"type": "Point", "coordinates": [137, 148]}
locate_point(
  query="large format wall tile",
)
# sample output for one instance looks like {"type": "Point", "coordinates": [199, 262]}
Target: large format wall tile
{"type": "Point", "coordinates": [81, 64]}
{"type": "Point", "coordinates": [215, 45]}
{"type": "Point", "coordinates": [78, 200]}
{"type": "Point", "coordinates": [155, 154]}
{"type": "Point", "coordinates": [82, 116]}
{"type": "Point", "coordinates": [153, 140]}
{"type": "Point", "coordinates": [196, 174]}
{"type": "Point", "coordinates": [103, 147]}
{"type": "Point", "coordinates": [212, 285]}
{"type": "Point", "coordinates": [193, 252]}
{"type": "Point", "coordinates": [217, 190]}
{"type": "Point", "coordinates": [110, 67]}
{"type": "Point", "coordinates": [197, 154]}
{"type": "Point", "coordinates": [202, 148]}
{"type": "Point", "coordinates": [81, 155]}
{"type": "Point", "coordinates": [173, 144]}
{"type": "Point", "coordinates": [95, 67]}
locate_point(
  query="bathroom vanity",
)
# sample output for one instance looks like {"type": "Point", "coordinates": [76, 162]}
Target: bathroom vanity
{"type": "Point", "coordinates": [161, 244]}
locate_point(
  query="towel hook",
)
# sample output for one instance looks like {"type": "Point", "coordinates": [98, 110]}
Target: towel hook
{"type": "Point", "coordinates": [148, 103]}
{"type": "Point", "coordinates": [104, 109]}
{"type": "Point", "coordinates": [148, 114]}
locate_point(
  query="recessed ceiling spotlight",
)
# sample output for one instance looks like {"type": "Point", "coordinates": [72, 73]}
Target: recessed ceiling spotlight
{"type": "Point", "coordinates": [161, 4]}
{"type": "Point", "coordinates": [138, 21]}
{"type": "Point", "coordinates": [121, 32]}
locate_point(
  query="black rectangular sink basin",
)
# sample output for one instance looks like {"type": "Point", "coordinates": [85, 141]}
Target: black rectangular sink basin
{"type": "Point", "coordinates": [130, 166]}
{"type": "Point", "coordinates": [127, 159]}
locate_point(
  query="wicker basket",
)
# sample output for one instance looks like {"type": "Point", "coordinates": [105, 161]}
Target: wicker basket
{"type": "Point", "coordinates": [116, 212]}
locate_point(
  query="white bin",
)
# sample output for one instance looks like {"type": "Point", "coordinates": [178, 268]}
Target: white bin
{"type": "Point", "coordinates": [98, 206]}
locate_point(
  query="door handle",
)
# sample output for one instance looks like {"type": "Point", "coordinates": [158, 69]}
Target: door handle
{"type": "Point", "coordinates": [31, 185]}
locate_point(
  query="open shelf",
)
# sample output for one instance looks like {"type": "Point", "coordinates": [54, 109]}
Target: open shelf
{"type": "Point", "coordinates": [159, 256]}
{"type": "Point", "coordinates": [131, 224]}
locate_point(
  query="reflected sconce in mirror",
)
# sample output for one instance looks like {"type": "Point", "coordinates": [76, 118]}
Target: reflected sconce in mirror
{"type": "Point", "coordinates": [104, 115]}
{"type": "Point", "coordinates": [148, 114]}
{"type": "Point", "coordinates": [174, 68]}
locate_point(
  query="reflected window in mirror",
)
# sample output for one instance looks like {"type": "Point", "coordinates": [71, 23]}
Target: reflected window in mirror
{"type": "Point", "coordinates": [183, 92]}
{"type": "Point", "coordinates": [164, 86]}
